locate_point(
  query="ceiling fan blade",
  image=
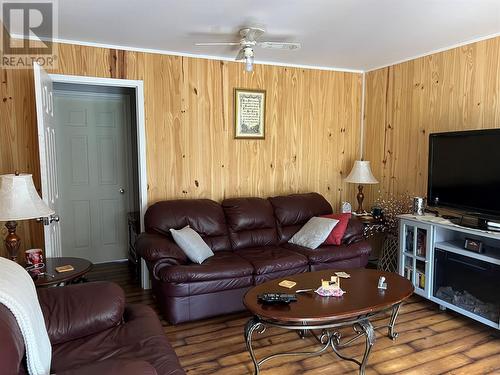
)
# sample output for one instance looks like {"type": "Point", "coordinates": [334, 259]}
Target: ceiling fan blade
{"type": "Point", "coordinates": [279, 45]}
{"type": "Point", "coordinates": [240, 55]}
{"type": "Point", "coordinates": [251, 33]}
{"type": "Point", "coordinates": [218, 44]}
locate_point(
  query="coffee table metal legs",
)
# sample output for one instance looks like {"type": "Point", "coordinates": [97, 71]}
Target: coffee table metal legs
{"type": "Point", "coordinates": [252, 325]}
{"type": "Point", "coordinates": [329, 337]}
{"type": "Point", "coordinates": [392, 322]}
{"type": "Point", "coordinates": [368, 331]}
{"type": "Point", "coordinates": [361, 328]}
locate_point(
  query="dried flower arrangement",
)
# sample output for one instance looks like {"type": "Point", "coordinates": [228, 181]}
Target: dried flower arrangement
{"type": "Point", "coordinates": [392, 206]}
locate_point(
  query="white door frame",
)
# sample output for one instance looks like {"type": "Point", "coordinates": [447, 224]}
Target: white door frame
{"type": "Point", "coordinates": [138, 86]}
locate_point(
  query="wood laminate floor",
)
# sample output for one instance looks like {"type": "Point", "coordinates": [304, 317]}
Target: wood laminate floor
{"type": "Point", "coordinates": [430, 341]}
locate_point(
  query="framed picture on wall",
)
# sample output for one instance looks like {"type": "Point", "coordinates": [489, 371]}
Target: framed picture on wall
{"type": "Point", "coordinates": [249, 113]}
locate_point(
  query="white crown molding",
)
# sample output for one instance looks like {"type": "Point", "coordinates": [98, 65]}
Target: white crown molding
{"type": "Point", "coordinates": [272, 63]}
{"type": "Point", "coordinates": [461, 44]}
{"type": "Point", "coordinates": [184, 54]}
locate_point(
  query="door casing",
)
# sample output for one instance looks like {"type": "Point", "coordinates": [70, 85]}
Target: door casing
{"type": "Point", "coordinates": [138, 87]}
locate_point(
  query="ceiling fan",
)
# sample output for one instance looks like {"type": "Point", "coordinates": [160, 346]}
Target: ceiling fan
{"type": "Point", "coordinates": [250, 39]}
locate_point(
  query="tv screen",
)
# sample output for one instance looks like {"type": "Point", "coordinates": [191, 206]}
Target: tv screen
{"type": "Point", "coordinates": [464, 171]}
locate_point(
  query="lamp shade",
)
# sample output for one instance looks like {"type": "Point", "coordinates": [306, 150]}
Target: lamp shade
{"type": "Point", "coordinates": [361, 173]}
{"type": "Point", "coordinates": [19, 199]}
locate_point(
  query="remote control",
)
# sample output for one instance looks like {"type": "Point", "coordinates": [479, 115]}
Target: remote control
{"type": "Point", "coordinates": [277, 298]}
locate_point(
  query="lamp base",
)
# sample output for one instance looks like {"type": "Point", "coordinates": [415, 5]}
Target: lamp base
{"type": "Point", "coordinates": [12, 241]}
{"type": "Point", "coordinates": [360, 197]}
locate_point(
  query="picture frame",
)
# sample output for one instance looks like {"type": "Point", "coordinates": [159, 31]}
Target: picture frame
{"type": "Point", "coordinates": [249, 113]}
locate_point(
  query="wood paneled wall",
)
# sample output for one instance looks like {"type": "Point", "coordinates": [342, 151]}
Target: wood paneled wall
{"type": "Point", "coordinates": [312, 126]}
{"type": "Point", "coordinates": [458, 89]}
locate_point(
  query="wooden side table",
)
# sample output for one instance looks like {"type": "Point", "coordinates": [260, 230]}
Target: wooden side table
{"type": "Point", "coordinates": [81, 267]}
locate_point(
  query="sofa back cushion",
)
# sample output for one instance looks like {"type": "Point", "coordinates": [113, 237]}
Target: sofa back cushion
{"type": "Point", "coordinates": [293, 211]}
{"type": "Point", "coordinates": [353, 232]}
{"type": "Point", "coordinates": [251, 222]}
{"type": "Point", "coordinates": [204, 216]}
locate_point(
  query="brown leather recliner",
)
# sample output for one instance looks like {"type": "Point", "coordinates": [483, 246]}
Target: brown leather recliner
{"type": "Point", "coordinates": [92, 332]}
{"type": "Point", "coordinates": [249, 237]}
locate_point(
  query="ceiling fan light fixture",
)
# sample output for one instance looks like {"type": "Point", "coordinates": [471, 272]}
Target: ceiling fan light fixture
{"type": "Point", "coordinates": [249, 63]}
{"type": "Point", "coordinates": [248, 55]}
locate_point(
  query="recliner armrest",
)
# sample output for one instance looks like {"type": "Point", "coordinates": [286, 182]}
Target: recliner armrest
{"type": "Point", "coordinates": [76, 311]}
{"type": "Point", "coordinates": [155, 247]}
{"type": "Point", "coordinates": [354, 232]}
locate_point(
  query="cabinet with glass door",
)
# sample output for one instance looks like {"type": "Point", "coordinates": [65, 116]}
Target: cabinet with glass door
{"type": "Point", "coordinates": [415, 241]}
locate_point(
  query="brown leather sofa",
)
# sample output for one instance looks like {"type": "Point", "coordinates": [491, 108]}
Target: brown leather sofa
{"type": "Point", "coordinates": [249, 237]}
{"type": "Point", "coordinates": [92, 332]}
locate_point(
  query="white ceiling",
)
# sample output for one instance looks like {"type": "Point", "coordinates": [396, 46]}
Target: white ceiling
{"type": "Point", "coordinates": [341, 34]}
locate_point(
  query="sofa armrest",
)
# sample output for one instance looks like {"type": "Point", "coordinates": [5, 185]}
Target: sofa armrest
{"type": "Point", "coordinates": [76, 311]}
{"type": "Point", "coordinates": [159, 251]}
{"type": "Point", "coordinates": [354, 232]}
{"type": "Point", "coordinates": [12, 343]}
{"type": "Point", "coordinates": [113, 367]}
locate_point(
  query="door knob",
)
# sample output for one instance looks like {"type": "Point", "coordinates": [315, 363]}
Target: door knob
{"type": "Point", "coordinates": [122, 191]}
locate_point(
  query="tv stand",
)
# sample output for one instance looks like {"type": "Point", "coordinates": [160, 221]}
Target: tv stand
{"type": "Point", "coordinates": [432, 256]}
{"type": "Point", "coordinates": [473, 220]}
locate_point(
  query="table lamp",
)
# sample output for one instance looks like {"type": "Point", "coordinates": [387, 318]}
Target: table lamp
{"type": "Point", "coordinates": [361, 174]}
{"type": "Point", "coordinates": [19, 200]}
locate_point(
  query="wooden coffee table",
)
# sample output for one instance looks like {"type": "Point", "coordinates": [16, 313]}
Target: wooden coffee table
{"type": "Point", "coordinates": [52, 277]}
{"type": "Point", "coordinates": [326, 315]}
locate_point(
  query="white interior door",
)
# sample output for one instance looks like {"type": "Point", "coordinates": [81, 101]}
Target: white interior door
{"type": "Point", "coordinates": [44, 99]}
{"type": "Point", "coordinates": [94, 175]}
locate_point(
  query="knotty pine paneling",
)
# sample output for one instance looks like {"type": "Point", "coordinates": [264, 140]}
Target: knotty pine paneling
{"type": "Point", "coordinates": [312, 126]}
{"type": "Point", "coordinates": [458, 89]}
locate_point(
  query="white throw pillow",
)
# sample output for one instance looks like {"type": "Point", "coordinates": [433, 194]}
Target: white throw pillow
{"type": "Point", "coordinates": [192, 244]}
{"type": "Point", "coordinates": [314, 232]}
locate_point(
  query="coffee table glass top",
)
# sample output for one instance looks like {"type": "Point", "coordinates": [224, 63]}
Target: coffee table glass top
{"type": "Point", "coordinates": [362, 296]}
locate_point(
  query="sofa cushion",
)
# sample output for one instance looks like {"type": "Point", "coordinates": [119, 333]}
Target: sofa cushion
{"type": "Point", "coordinates": [293, 211]}
{"type": "Point", "coordinates": [272, 259]}
{"type": "Point", "coordinates": [139, 338]}
{"type": "Point", "coordinates": [204, 216]}
{"type": "Point", "coordinates": [259, 279]}
{"type": "Point", "coordinates": [329, 253]}
{"type": "Point", "coordinates": [223, 265]}
{"type": "Point", "coordinates": [251, 222]}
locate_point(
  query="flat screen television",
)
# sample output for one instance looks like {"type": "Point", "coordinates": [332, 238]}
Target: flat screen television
{"type": "Point", "coordinates": [464, 171]}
